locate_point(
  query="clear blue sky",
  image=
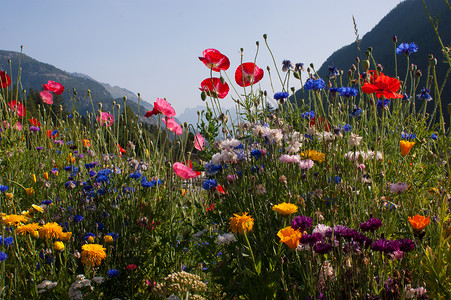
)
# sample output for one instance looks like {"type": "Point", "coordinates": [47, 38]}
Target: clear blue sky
{"type": "Point", "coordinates": [152, 47]}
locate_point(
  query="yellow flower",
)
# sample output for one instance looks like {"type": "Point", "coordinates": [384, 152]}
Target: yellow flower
{"type": "Point", "coordinates": [285, 208]}
{"type": "Point", "coordinates": [28, 228]}
{"type": "Point", "coordinates": [46, 175]}
{"type": "Point", "coordinates": [90, 239]}
{"type": "Point", "coordinates": [108, 239]}
{"type": "Point", "coordinates": [14, 220]}
{"type": "Point", "coordinates": [241, 223]}
{"type": "Point", "coordinates": [35, 234]}
{"type": "Point", "coordinates": [65, 236]}
{"type": "Point", "coordinates": [9, 196]}
{"type": "Point", "coordinates": [86, 143]}
{"type": "Point", "coordinates": [405, 147]}
{"type": "Point", "coordinates": [37, 208]}
{"type": "Point", "coordinates": [58, 246]}
{"type": "Point", "coordinates": [92, 254]}
{"type": "Point", "coordinates": [34, 178]}
{"type": "Point", "coordinates": [30, 191]}
{"type": "Point", "coordinates": [50, 231]}
{"type": "Point", "coordinates": [313, 155]}
{"type": "Point", "coordinates": [289, 237]}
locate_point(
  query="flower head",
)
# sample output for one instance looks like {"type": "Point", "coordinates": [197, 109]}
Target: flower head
{"type": "Point", "coordinates": [28, 228]}
{"type": "Point", "coordinates": [46, 97]}
{"type": "Point", "coordinates": [371, 225]}
{"type": "Point", "coordinates": [248, 74]}
{"type": "Point", "coordinates": [112, 273]}
{"type": "Point", "coordinates": [199, 142]}
{"type": "Point", "coordinates": [92, 254]}
{"type": "Point", "coordinates": [285, 208]}
{"type": "Point", "coordinates": [14, 220]}
{"type": "Point", "coordinates": [406, 48]}
{"type": "Point", "coordinates": [50, 231]}
{"type": "Point", "coordinates": [419, 222]}
{"type": "Point", "coordinates": [383, 86]}
{"type": "Point", "coordinates": [53, 86]}
{"type": "Point", "coordinates": [281, 95]}
{"type": "Point", "coordinates": [313, 155]}
{"type": "Point", "coordinates": [161, 106]}
{"type": "Point", "coordinates": [17, 107]}
{"type": "Point", "coordinates": [5, 80]}
{"type": "Point", "coordinates": [289, 236]}
{"type": "Point", "coordinates": [406, 146]}
{"type": "Point", "coordinates": [301, 223]}
{"type": "Point", "coordinates": [425, 94]}
{"type": "Point", "coordinates": [214, 87]}
{"type": "Point", "coordinates": [172, 125]}
{"type": "Point", "coordinates": [347, 92]}
{"type": "Point", "coordinates": [314, 84]}
{"type": "Point", "coordinates": [241, 223]}
{"type": "Point", "coordinates": [58, 246]}
{"type": "Point", "coordinates": [215, 60]}
{"type": "Point", "coordinates": [105, 118]}
{"type": "Point", "coordinates": [184, 171]}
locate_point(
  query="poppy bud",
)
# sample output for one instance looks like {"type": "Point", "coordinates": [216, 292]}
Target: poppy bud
{"type": "Point", "coordinates": [311, 65]}
{"type": "Point", "coordinates": [257, 43]}
{"type": "Point", "coordinates": [100, 105]}
{"type": "Point", "coordinates": [265, 36]}
{"type": "Point", "coordinates": [395, 39]}
{"type": "Point", "coordinates": [379, 68]}
{"type": "Point", "coordinates": [139, 95]}
{"type": "Point", "coordinates": [357, 60]}
{"type": "Point", "coordinates": [124, 98]}
{"type": "Point", "coordinates": [349, 73]}
{"type": "Point", "coordinates": [366, 64]}
{"type": "Point", "coordinates": [292, 89]}
{"type": "Point", "coordinates": [370, 49]}
{"type": "Point", "coordinates": [265, 93]}
{"type": "Point", "coordinates": [89, 91]}
{"type": "Point", "coordinates": [353, 68]}
{"type": "Point", "coordinates": [203, 95]}
{"type": "Point", "coordinates": [222, 80]}
{"type": "Point", "coordinates": [267, 68]}
{"type": "Point", "coordinates": [433, 62]}
{"type": "Point", "coordinates": [297, 75]}
{"type": "Point", "coordinates": [418, 73]}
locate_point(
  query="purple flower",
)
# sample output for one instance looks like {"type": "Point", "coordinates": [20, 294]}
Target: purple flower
{"type": "Point", "coordinates": [301, 223]}
{"type": "Point", "coordinates": [371, 225]}
{"type": "Point", "coordinates": [78, 218]}
{"type": "Point", "coordinates": [39, 148]}
{"type": "Point", "coordinates": [34, 128]}
{"type": "Point", "coordinates": [384, 245]}
{"type": "Point", "coordinates": [406, 245]}
{"type": "Point", "coordinates": [425, 94]}
{"type": "Point", "coordinates": [406, 48]}
{"type": "Point", "coordinates": [322, 248]}
{"type": "Point", "coordinates": [347, 92]}
{"type": "Point", "coordinates": [3, 256]}
{"type": "Point", "coordinates": [310, 239]}
{"type": "Point", "coordinates": [314, 84]}
{"type": "Point", "coordinates": [112, 273]}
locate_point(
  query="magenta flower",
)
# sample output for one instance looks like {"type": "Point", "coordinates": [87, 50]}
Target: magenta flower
{"type": "Point", "coordinates": [105, 119]}
{"type": "Point", "coordinates": [53, 86]}
{"type": "Point", "coordinates": [183, 171]}
{"type": "Point", "coordinates": [172, 125]}
{"type": "Point", "coordinates": [199, 142]}
{"type": "Point", "coordinates": [161, 106]}
{"type": "Point", "coordinates": [215, 60]}
{"type": "Point", "coordinates": [46, 97]}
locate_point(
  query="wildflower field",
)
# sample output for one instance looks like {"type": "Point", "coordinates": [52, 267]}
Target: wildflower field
{"type": "Point", "coordinates": [341, 193]}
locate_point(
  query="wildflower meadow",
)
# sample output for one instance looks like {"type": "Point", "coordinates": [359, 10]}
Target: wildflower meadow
{"type": "Point", "coordinates": [321, 188]}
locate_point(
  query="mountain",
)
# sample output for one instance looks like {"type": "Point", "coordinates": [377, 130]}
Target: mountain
{"type": "Point", "coordinates": [35, 73]}
{"type": "Point", "coordinates": [409, 22]}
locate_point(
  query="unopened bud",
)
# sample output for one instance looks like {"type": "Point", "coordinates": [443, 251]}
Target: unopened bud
{"type": "Point", "coordinates": [257, 43]}
{"type": "Point", "coordinates": [311, 65]}
{"type": "Point", "coordinates": [265, 93]}
{"type": "Point", "coordinates": [418, 73]}
{"type": "Point", "coordinates": [395, 39]}
{"type": "Point", "coordinates": [100, 104]}
{"type": "Point", "coordinates": [433, 62]}
{"type": "Point", "coordinates": [357, 60]}
{"type": "Point", "coordinates": [353, 68]}
{"type": "Point", "coordinates": [370, 49]}
{"type": "Point", "coordinates": [366, 64]}
{"type": "Point", "coordinates": [296, 75]}
{"type": "Point", "coordinates": [222, 79]}
{"type": "Point", "coordinates": [265, 36]}
{"type": "Point", "coordinates": [292, 89]}
{"type": "Point", "coordinates": [89, 91]}
{"type": "Point", "coordinates": [379, 68]}
{"type": "Point", "coordinates": [203, 96]}
{"type": "Point", "coordinates": [350, 73]}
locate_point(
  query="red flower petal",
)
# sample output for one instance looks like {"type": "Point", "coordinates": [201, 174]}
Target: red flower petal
{"type": "Point", "coordinates": [53, 86]}
{"type": "Point", "coordinates": [172, 125]}
{"type": "Point", "coordinates": [214, 88]}
{"type": "Point", "coordinates": [34, 122]}
{"type": "Point", "coordinates": [184, 171]}
{"type": "Point", "coordinates": [248, 74]}
{"type": "Point", "coordinates": [17, 107]}
{"type": "Point", "coordinates": [199, 142]}
{"type": "Point", "coordinates": [5, 80]}
{"type": "Point", "coordinates": [215, 60]}
{"type": "Point", "coordinates": [384, 87]}
{"type": "Point", "coordinates": [46, 97]}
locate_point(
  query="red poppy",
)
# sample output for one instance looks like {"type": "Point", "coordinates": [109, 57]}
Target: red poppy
{"type": "Point", "coordinates": [384, 87]}
{"type": "Point", "coordinates": [161, 106]}
{"type": "Point", "coordinates": [320, 123]}
{"type": "Point", "coordinates": [214, 87]}
{"type": "Point", "coordinates": [220, 189]}
{"type": "Point", "coordinates": [172, 125]}
{"type": "Point", "coordinates": [5, 80]}
{"type": "Point", "coordinates": [184, 171]}
{"type": "Point", "coordinates": [199, 142]}
{"type": "Point", "coordinates": [190, 164]}
{"type": "Point", "coordinates": [247, 74]}
{"type": "Point", "coordinates": [121, 150]}
{"type": "Point", "coordinates": [215, 60]}
{"type": "Point", "coordinates": [35, 122]}
{"type": "Point", "coordinates": [53, 86]}
{"type": "Point", "coordinates": [51, 134]}
{"type": "Point", "coordinates": [46, 97]}
{"type": "Point", "coordinates": [17, 107]}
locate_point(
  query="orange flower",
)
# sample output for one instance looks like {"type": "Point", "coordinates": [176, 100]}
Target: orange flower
{"type": "Point", "coordinates": [289, 236]}
{"type": "Point", "coordinates": [419, 222]}
{"type": "Point", "coordinates": [86, 143]}
{"type": "Point", "coordinates": [241, 223]}
{"type": "Point", "coordinates": [405, 147]}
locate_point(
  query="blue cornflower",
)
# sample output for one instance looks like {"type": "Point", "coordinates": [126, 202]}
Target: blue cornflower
{"type": "Point", "coordinates": [299, 67]}
{"type": "Point", "coordinates": [406, 48]}
{"type": "Point", "coordinates": [286, 64]}
{"type": "Point", "coordinates": [333, 90]}
{"type": "Point", "coordinates": [314, 84]}
{"type": "Point", "coordinates": [347, 92]}
{"type": "Point", "coordinates": [209, 184]}
{"type": "Point", "coordinates": [92, 173]}
{"type": "Point", "coordinates": [211, 168]}
{"type": "Point", "coordinates": [146, 183]}
{"type": "Point", "coordinates": [383, 103]}
{"type": "Point", "coordinates": [408, 136]}
{"type": "Point", "coordinates": [46, 202]}
{"type": "Point", "coordinates": [308, 115]}
{"type": "Point", "coordinates": [3, 256]}
{"type": "Point", "coordinates": [68, 168]}
{"type": "Point", "coordinates": [335, 179]}
{"type": "Point", "coordinates": [405, 97]}
{"type": "Point", "coordinates": [101, 178]}
{"type": "Point", "coordinates": [48, 258]}
{"type": "Point", "coordinates": [78, 218]}
{"type": "Point", "coordinates": [3, 188]}
{"type": "Point", "coordinates": [135, 175]}
{"type": "Point", "coordinates": [70, 184]}
{"type": "Point", "coordinates": [346, 127]}
{"type": "Point", "coordinates": [281, 95]}
{"type": "Point", "coordinates": [333, 71]}
{"type": "Point", "coordinates": [113, 273]}
{"type": "Point", "coordinates": [240, 146]}
{"type": "Point", "coordinates": [6, 241]}
{"type": "Point", "coordinates": [100, 226]}
{"type": "Point", "coordinates": [256, 153]}
{"type": "Point", "coordinates": [434, 137]}
{"type": "Point", "coordinates": [424, 95]}
{"type": "Point", "coordinates": [356, 112]}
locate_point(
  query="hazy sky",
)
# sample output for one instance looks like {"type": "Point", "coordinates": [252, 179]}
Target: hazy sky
{"type": "Point", "coordinates": [152, 47]}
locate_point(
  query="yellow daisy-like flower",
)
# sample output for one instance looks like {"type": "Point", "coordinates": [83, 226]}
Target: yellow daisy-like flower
{"type": "Point", "coordinates": [50, 231]}
{"type": "Point", "coordinates": [14, 220]}
{"type": "Point", "coordinates": [108, 239]}
{"type": "Point", "coordinates": [285, 208]}
{"type": "Point", "coordinates": [289, 237]}
{"type": "Point", "coordinates": [28, 228]}
{"type": "Point", "coordinates": [65, 236]}
{"type": "Point", "coordinates": [34, 178]}
{"type": "Point", "coordinates": [9, 196]}
{"type": "Point", "coordinates": [92, 254]}
{"type": "Point", "coordinates": [46, 175]}
{"type": "Point", "coordinates": [29, 191]}
{"type": "Point", "coordinates": [58, 246]}
{"type": "Point", "coordinates": [313, 155]}
{"type": "Point", "coordinates": [406, 146]}
{"type": "Point", "coordinates": [37, 208]}
{"type": "Point", "coordinates": [241, 223]}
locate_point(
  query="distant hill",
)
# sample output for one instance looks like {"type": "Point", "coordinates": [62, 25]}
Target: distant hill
{"type": "Point", "coordinates": [409, 22]}
{"type": "Point", "coordinates": [35, 73]}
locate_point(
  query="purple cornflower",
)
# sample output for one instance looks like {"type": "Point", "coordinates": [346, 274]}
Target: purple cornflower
{"type": "Point", "coordinates": [383, 103]}
{"type": "Point", "coordinates": [286, 65]}
{"type": "Point", "coordinates": [301, 223]}
{"type": "Point", "coordinates": [406, 245]}
{"type": "Point", "coordinates": [424, 95]}
{"type": "Point", "coordinates": [34, 128]}
{"type": "Point", "coordinates": [322, 248]}
{"type": "Point", "coordinates": [310, 239]}
{"type": "Point", "coordinates": [406, 48]}
{"type": "Point", "coordinates": [384, 245]}
{"type": "Point", "coordinates": [333, 71]}
{"type": "Point", "coordinates": [371, 225]}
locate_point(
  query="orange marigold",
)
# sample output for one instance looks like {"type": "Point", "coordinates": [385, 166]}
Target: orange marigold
{"type": "Point", "coordinates": [405, 147]}
{"type": "Point", "coordinates": [92, 254]}
{"type": "Point", "coordinates": [14, 220]}
{"type": "Point", "coordinates": [289, 237]}
{"type": "Point", "coordinates": [313, 155]}
{"type": "Point", "coordinates": [28, 228]}
{"type": "Point", "coordinates": [241, 223]}
{"type": "Point", "coordinates": [285, 208]}
{"type": "Point", "coordinates": [50, 231]}
{"type": "Point", "coordinates": [419, 222]}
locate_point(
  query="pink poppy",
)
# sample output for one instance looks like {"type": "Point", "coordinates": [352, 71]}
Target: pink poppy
{"type": "Point", "coordinates": [18, 126]}
{"type": "Point", "coordinates": [215, 88]}
{"type": "Point", "coordinates": [172, 125]}
{"type": "Point", "coordinates": [105, 119]}
{"type": "Point", "coordinates": [5, 80]}
{"type": "Point", "coordinates": [247, 74]}
{"type": "Point", "coordinates": [215, 60]}
{"type": "Point", "coordinates": [17, 107]}
{"type": "Point", "coordinates": [199, 142]}
{"type": "Point", "coordinates": [183, 171]}
{"type": "Point", "coordinates": [161, 106]}
{"type": "Point", "coordinates": [46, 97]}
{"type": "Point", "coordinates": [53, 86]}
